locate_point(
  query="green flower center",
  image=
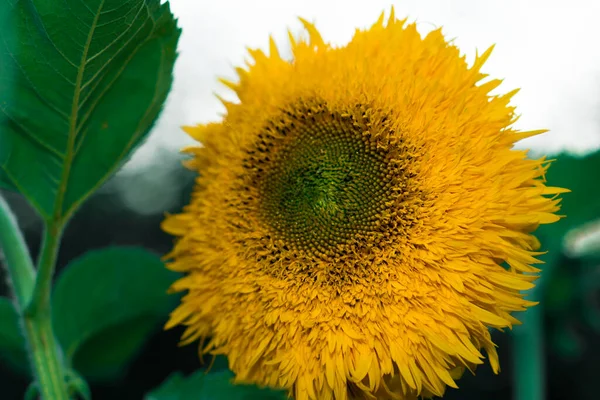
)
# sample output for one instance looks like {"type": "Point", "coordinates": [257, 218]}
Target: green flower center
{"type": "Point", "coordinates": [322, 181]}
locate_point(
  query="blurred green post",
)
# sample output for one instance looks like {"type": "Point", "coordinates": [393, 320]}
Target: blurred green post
{"type": "Point", "coordinates": [528, 357]}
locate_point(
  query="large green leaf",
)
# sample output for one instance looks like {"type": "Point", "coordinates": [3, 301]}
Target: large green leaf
{"type": "Point", "coordinates": [106, 304]}
{"type": "Point", "coordinates": [12, 344]}
{"type": "Point", "coordinates": [81, 83]}
{"type": "Point", "coordinates": [105, 356]}
{"type": "Point", "coordinates": [212, 386]}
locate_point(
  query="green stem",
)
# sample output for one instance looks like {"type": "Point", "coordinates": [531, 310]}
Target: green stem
{"type": "Point", "coordinates": [45, 350]}
{"type": "Point", "coordinates": [33, 302]}
{"type": "Point", "coordinates": [18, 260]}
{"type": "Point", "coordinates": [528, 357]}
{"type": "Point", "coordinates": [40, 298]}
{"type": "Point", "coordinates": [46, 357]}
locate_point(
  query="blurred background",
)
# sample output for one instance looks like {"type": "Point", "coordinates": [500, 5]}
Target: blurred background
{"type": "Point", "coordinates": [547, 48]}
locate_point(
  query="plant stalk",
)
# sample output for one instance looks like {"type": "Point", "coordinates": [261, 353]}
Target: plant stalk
{"type": "Point", "coordinates": [18, 261]}
{"type": "Point", "coordinates": [32, 292]}
{"type": "Point", "coordinates": [40, 298]}
{"type": "Point", "coordinates": [46, 356]}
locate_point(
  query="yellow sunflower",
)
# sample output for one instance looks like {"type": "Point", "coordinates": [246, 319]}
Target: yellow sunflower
{"type": "Point", "coordinates": [360, 219]}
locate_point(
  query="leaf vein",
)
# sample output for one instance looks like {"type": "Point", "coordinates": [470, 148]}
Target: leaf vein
{"type": "Point", "coordinates": [40, 24]}
{"type": "Point", "coordinates": [100, 52]}
{"type": "Point", "coordinates": [62, 188]}
{"type": "Point", "coordinates": [24, 192]}
{"type": "Point", "coordinates": [33, 87]}
{"type": "Point", "coordinates": [129, 145]}
{"type": "Point", "coordinates": [100, 96]}
{"type": "Point", "coordinates": [31, 136]}
{"type": "Point", "coordinates": [84, 4]}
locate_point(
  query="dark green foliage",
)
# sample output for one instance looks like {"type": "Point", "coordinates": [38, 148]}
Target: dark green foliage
{"type": "Point", "coordinates": [12, 344]}
{"type": "Point", "coordinates": [580, 206]}
{"type": "Point", "coordinates": [571, 282]}
{"type": "Point", "coordinates": [106, 304]}
{"type": "Point", "coordinates": [211, 386]}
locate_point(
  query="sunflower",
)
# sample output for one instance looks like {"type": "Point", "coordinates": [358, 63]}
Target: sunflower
{"type": "Point", "coordinates": [360, 219]}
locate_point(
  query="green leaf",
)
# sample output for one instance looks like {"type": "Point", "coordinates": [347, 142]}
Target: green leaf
{"type": "Point", "coordinates": [32, 392]}
{"type": "Point", "coordinates": [81, 84]}
{"type": "Point", "coordinates": [104, 356]}
{"type": "Point", "coordinates": [12, 344]}
{"type": "Point", "coordinates": [106, 304]}
{"type": "Point", "coordinates": [212, 386]}
{"type": "Point", "coordinates": [78, 386]}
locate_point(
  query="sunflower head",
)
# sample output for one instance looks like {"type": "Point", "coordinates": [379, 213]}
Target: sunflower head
{"type": "Point", "coordinates": [352, 215]}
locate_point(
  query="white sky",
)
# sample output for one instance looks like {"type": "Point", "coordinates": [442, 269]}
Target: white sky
{"type": "Point", "coordinates": [548, 48]}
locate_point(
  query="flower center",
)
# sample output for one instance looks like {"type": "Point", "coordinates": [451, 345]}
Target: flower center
{"type": "Point", "coordinates": [322, 180]}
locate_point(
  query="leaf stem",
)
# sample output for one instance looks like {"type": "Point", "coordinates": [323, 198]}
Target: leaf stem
{"type": "Point", "coordinates": [40, 298]}
{"type": "Point", "coordinates": [18, 261]}
{"type": "Point", "coordinates": [32, 293]}
{"type": "Point", "coordinates": [45, 351]}
{"type": "Point", "coordinates": [46, 357]}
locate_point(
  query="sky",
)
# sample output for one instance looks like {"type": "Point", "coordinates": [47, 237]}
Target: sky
{"type": "Point", "coordinates": [547, 48]}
